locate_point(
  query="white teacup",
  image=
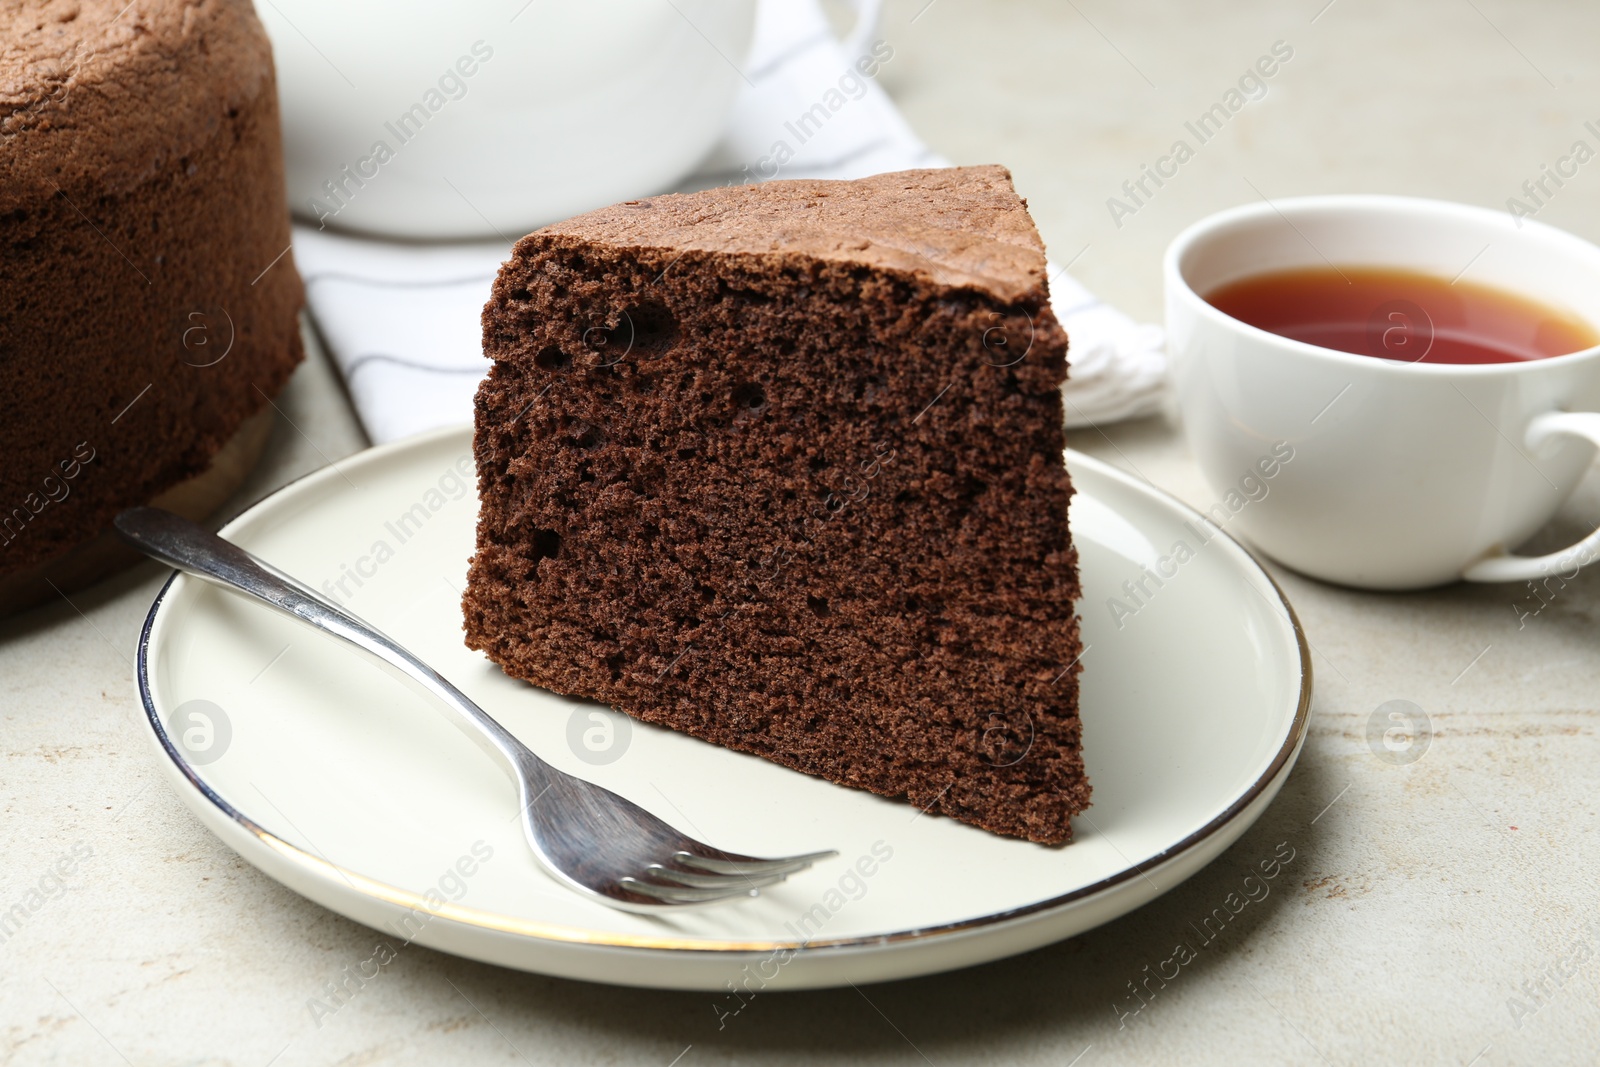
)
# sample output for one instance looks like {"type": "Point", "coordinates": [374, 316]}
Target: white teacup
{"type": "Point", "coordinates": [1399, 475]}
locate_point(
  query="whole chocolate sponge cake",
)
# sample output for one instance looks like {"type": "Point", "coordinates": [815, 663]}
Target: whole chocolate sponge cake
{"type": "Point", "coordinates": [149, 309]}
{"type": "Point", "coordinates": [780, 466]}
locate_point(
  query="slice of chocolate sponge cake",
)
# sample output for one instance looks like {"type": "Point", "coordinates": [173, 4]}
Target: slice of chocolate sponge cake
{"type": "Point", "coordinates": [780, 466]}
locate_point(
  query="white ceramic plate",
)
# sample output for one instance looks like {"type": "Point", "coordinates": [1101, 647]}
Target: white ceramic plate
{"type": "Point", "coordinates": [337, 780]}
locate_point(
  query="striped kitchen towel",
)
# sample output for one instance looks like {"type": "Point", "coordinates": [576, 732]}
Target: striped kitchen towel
{"type": "Point", "coordinates": [400, 320]}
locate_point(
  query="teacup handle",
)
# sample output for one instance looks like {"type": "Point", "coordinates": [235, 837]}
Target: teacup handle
{"type": "Point", "coordinates": [1506, 567]}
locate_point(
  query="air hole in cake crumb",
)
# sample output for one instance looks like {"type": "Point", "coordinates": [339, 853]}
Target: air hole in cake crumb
{"type": "Point", "coordinates": [819, 463]}
{"type": "Point", "coordinates": [542, 545]}
{"type": "Point", "coordinates": [521, 296]}
{"type": "Point", "coordinates": [588, 437]}
{"type": "Point", "coordinates": [652, 327]}
{"type": "Point", "coordinates": [741, 295]}
{"type": "Point", "coordinates": [645, 478]}
{"type": "Point", "coordinates": [551, 358]}
{"type": "Point", "coordinates": [643, 384]}
{"type": "Point", "coordinates": [685, 453]}
{"type": "Point", "coordinates": [749, 395]}
{"type": "Point", "coordinates": [818, 606]}
{"type": "Point", "coordinates": [904, 497]}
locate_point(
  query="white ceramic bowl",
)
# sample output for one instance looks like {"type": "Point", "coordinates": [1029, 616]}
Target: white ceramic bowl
{"type": "Point", "coordinates": [477, 119]}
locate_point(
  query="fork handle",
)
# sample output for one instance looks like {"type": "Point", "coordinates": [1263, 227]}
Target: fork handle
{"type": "Point", "coordinates": [191, 548]}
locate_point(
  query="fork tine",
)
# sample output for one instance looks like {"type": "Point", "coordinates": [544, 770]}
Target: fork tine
{"type": "Point", "coordinates": [713, 881]}
{"type": "Point", "coordinates": [728, 863]}
{"type": "Point", "coordinates": [673, 894]}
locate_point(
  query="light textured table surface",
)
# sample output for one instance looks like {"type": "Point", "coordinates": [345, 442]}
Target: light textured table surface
{"type": "Point", "coordinates": [1441, 910]}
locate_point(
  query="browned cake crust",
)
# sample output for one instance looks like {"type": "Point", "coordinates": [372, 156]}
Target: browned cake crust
{"type": "Point", "coordinates": [780, 466]}
{"type": "Point", "coordinates": [141, 203]}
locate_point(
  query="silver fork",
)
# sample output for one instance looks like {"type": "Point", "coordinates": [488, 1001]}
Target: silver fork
{"type": "Point", "coordinates": [593, 840]}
